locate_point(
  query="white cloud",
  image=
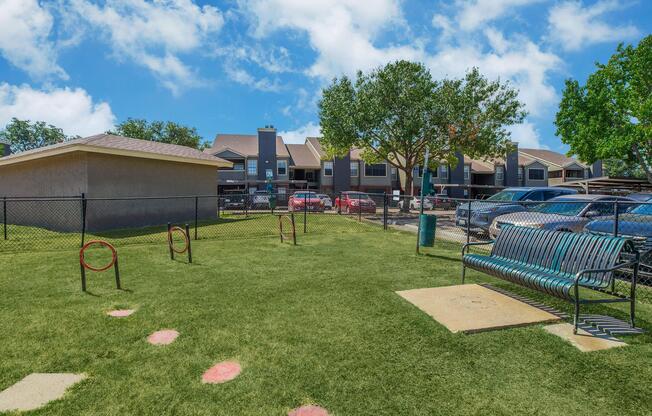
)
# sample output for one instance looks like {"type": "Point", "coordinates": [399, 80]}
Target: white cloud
{"type": "Point", "coordinates": [72, 110]}
{"type": "Point", "coordinates": [518, 60]}
{"type": "Point", "coordinates": [241, 76]}
{"type": "Point", "coordinates": [153, 34]}
{"type": "Point", "coordinates": [473, 14]}
{"type": "Point", "coordinates": [342, 32]}
{"type": "Point", "coordinates": [526, 135]}
{"type": "Point", "coordinates": [574, 26]}
{"type": "Point", "coordinates": [25, 29]}
{"type": "Point", "coordinates": [299, 135]}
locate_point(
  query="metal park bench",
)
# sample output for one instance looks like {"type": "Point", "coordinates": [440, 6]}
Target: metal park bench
{"type": "Point", "coordinates": [558, 263]}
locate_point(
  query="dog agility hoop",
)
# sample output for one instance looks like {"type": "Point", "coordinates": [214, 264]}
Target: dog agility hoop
{"type": "Point", "coordinates": [84, 265]}
{"type": "Point", "coordinates": [290, 220]}
{"type": "Point", "coordinates": [185, 233]}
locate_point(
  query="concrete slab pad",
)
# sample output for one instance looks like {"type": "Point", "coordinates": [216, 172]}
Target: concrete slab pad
{"type": "Point", "coordinates": [473, 308]}
{"type": "Point", "coordinates": [222, 372]}
{"type": "Point", "coordinates": [309, 410]}
{"type": "Point", "coordinates": [121, 313]}
{"type": "Point", "coordinates": [584, 340]}
{"type": "Point", "coordinates": [36, 390]}
{"type": "Point", "coordinates": [163, 337]}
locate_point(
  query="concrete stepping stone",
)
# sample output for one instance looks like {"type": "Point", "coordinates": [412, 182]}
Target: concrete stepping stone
{"type": "Point", "coordinates": [163, 337]}
{"type": "Point", "coordinates": [121, 313]}
{"type": "Point", "coordinates": [310, 410]}
{"type": "Point", "coordinates": [584, 340]}
{"type": "Point", "coordinates": [36, 390]}
{"type": "Point", "coordinates": [222, 372]}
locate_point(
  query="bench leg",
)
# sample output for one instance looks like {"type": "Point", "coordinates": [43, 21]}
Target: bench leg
{"type": "Point", "coordinates": [463, 273]}
{"type": "Point", "coordinates": [576, 316]}
{"type": "Point", "coordinates": [632, 295]}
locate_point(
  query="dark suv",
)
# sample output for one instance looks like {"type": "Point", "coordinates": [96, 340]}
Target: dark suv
{"type": "Point", "coordinates": [504, 202]}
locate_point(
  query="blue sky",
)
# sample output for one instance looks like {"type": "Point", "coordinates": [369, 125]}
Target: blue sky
{"type": "Point", "coordinates": [233, 66]}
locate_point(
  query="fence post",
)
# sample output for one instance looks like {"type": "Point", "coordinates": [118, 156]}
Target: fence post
{"type": "Point", "coordinates": [616, 218]}
{"type": "Point", "coordinates": [196, 215]}
{"type": "Point", "coordinates": [83, 206]}
{"type": "Point", "coordinates": [218, 206]}
{"type": "Point", "coordinates": [4, 215]}
{"type": "Point", "coordinates": [246, 205]}
{"type": "Point", "coordinates": [189, 245]}
{"type": "Point", "coordinates": [385, 210]}
{"type": "Point", "coordinates": [468, 223]}
{"type": "Point", "coordinates": [305, 212]}
{"type": "Point", "coordinates": [359, 207]}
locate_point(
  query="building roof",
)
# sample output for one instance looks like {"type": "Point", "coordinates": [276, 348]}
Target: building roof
{"type": "Point", "coordinates": [244, 144]}
{"type": "Point", "coordinates": [550, 158]}
{"type": "Point", "coordinates": [120, 146]}
{"type": "Point", "coordinates": [316, 145]}
{"type": "Point", "coordinates": [303, 157]}
{"type": "Point", "coordinates": [479, 166]}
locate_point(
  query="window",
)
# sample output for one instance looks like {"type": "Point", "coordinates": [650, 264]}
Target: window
{"type": "Point", "coordinates": [520, 174]}
{"type": "Point", "coordinates": [310, 176]}
{"type": "Point", "coordinates": [281, 190]}
{"type": "Point", "coordinates": [281, 167]}
{"type": "Point", "coordinates": [500, 173]}
{"type": "Point", "coordinates": [328, 168]}
{"type": "Point", "coordinates": [354, 169]}
{"type": "Point", "coordinates": [269, 174]}
{"type": "Point", "coordinates": [238, 165]}
{"type": "Point", "coordinates": [375, 169]}
{"type": "Point", "coordinates": [394, 173]}
{"type": "Point", "coordinates": [444, 172]}
{"type": "Point", "coordinates": [535, 174]}
{"type": "Point", "coordinates": [252, 167]}
{"type": "Point", "coordinates": [467, 172]}
{"type": "Point", "coordinates": [574, 174]}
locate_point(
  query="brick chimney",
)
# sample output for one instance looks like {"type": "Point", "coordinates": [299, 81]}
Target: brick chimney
{"type": "Point", "coordinates": [266, 152]}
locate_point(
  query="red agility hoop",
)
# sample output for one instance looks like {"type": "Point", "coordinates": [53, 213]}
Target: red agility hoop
{"type": "Point", "coordinates": [83, 265]}
{"type": "Point", "coordinates": [82, 260]}
{"type": "Point", "coordinates": [185, 238]}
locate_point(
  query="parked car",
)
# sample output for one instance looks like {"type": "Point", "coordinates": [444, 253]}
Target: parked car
{"type": "Point", "coordinates": [504, 202]}
{"type": "Point", "coordinates": [328, 202]}
{"type": "Point", "coordinates": [563, 213]}
{"type": "Point", "coordinates": [354, 201]}
{"type": "Point", "coordinates": [640, 197]}
{"type": "Point", "coordinates": [259, 200]}
{"type": "Point", "coordinates": [415, 203]}
{"type": "Point", "coordinates": [305, 200]}
{"type": "Point", "coordinates": [233, 201]}
{"type": "Point", "coordinates": [635, 224]}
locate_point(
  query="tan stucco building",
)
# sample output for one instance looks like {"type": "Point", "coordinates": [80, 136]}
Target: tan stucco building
{"type": "Point", "coordinates": [108, 166]}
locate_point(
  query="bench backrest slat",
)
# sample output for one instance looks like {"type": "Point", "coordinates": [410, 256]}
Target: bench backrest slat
{"type": "Point", "coordinates": [560, 252]}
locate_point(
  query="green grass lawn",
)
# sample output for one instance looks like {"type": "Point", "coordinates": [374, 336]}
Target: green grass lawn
{"type": "Point", "coordinates": [314, 323]}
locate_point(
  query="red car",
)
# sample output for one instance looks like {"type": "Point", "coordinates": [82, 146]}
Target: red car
{"type": "Point", "coordinates": [353, 201]}
{"type": "Point", "coordinates": [307, 199]}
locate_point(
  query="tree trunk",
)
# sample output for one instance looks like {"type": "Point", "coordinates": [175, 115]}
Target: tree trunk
{"type": "Point", "coordinates": [408, 189]}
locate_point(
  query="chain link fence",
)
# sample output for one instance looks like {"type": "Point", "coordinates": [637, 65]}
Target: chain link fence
{"type": "Point", "coordinates": [65, 223]}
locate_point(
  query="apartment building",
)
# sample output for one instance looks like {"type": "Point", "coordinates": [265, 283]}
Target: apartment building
{"type": "Point", "coordinates": [256, 158]}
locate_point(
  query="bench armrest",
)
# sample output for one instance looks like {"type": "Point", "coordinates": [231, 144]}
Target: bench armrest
{"type": "Point", "coordinates": [579, 274]}
{"type": "Point", "coordinates": [478, 243]}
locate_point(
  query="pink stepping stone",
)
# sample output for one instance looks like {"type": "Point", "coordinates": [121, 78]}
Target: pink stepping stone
{"type": "Point", "coordinates": [163, 337]}
{"type": "Point", "coordinates": [221, 372]}
{"type": "Point", "coordinates": [309, 410]}
{"type": "Point", "coordinates": [121, 313]}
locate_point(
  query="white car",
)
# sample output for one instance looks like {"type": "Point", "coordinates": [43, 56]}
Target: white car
{"type": "Point", "coordinates": [328, 202]}
{"type": "Point", "coordinates": [415, 203]}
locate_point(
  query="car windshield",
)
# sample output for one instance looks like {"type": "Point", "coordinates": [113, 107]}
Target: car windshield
{"type": "Point", "coordinates": [306, 195]}
{"type": "Point", "coordinates": [357, 195]}
{"type": "Point", "coordinates": [562, 208]}
{"type": "Point", "coordinates": [643, 209]}
{"type": "Point", "coordinates": [507, 196]}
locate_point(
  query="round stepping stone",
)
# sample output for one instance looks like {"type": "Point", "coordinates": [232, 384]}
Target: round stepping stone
{"type": "Point", "coordinates": [222, 372]}
{"type": "Point", "coordinates": [121, 313]}
{"type": "Point", "coordinates": [309, 410]}
{"type": "Point", "coordinates": [163, 337]}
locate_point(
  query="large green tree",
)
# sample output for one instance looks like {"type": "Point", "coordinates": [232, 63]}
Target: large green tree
{"type": "Point", "coordinates": [160, 131]}
{"type": "Point", "coordinates": [397, 111]}
{"type": "Point", "coordinates": [610, 117]}
{"type": "Point", "coordinates": [26, 135]}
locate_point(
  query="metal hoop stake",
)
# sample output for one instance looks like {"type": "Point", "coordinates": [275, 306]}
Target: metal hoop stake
{"type": "Point", "coordinates": [114, 262]}
{"type": "Point", "coordinates": [189, 244]}
{"type": "Point", "coordinates": [169, 244]}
